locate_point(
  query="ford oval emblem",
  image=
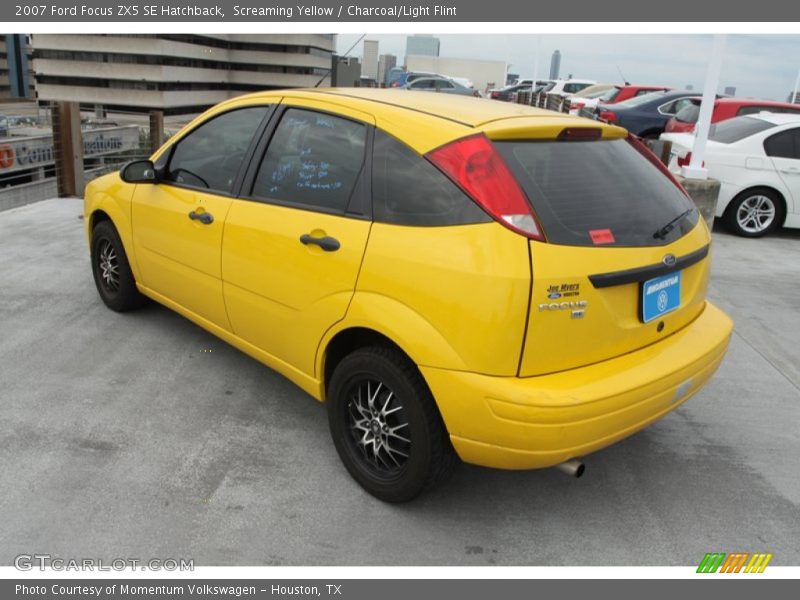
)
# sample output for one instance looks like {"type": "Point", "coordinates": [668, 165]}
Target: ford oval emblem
{"type": "Point", "coordinates": [669, 260]}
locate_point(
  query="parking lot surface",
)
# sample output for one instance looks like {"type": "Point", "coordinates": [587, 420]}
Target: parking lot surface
{"type": "Point", "coordinates": [142, 436]}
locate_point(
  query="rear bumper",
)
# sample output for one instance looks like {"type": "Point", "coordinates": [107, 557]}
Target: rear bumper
{"type": "Point", "coordinates": [534, 422]}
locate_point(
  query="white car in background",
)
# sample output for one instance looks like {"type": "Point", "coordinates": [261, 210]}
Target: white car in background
{"type": "Point", "coordinates": [568, 87]}
{"type": "Point", "coordinates": [757, 160]}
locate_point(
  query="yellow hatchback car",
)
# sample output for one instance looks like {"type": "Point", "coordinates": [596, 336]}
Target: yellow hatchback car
{"type": "Point", "coordinates": [454, 277]}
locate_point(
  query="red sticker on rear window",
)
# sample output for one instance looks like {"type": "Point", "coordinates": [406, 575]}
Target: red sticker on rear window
{"type": "Point", "coordinates": [601, 236]}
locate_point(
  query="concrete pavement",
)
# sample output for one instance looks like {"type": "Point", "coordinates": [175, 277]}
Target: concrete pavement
{"type": "Point", "coordinates": [142, 436]}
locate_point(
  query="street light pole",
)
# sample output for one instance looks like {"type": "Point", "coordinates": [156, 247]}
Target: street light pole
{"type": "Point", "coordinates": [695, 169]}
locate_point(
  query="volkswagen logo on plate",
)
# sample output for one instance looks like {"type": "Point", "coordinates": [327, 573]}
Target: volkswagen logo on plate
{"type": "Point", "coordinates": [669, 260]}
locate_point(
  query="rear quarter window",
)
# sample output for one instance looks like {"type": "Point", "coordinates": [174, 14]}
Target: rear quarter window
{"type": "Point", "coordinates": [736, 129]}
{"type": "Point", "coordinates": [409, 190]}
{"type": "Point", "coordinates": [582, 191]}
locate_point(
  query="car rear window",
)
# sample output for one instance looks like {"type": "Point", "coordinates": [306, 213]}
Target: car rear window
{"type": "Point", "coordinates": [586, 193]}
{"type": "Point", "coordinates": [609, 95]}
{"type": "Point", "coordinates": [639, 100]}
{"type": "Point", "coordinates": [733, 130]}
{"type": "Point", "coordinates": [689, 114]}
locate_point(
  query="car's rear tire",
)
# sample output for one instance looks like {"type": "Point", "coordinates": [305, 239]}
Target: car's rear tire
{"type": "Point", "coordinates": [755, 212]}
{"type": "Point", "coordinates": [112, 272]}
{"type": "Point", "coordinates": [385, 425]}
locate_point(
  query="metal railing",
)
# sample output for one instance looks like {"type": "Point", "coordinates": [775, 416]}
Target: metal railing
{"type": "Point", "coordinates": [61, 146]}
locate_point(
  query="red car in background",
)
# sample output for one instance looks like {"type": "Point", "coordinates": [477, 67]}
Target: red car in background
{"type": "Point", "coordinates": [725, 108]}
{"type": "Point", "coordinates": [615, 94]}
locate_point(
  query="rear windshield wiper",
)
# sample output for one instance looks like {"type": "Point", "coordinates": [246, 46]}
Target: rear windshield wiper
{"type": "Point", "coordinates": [662, 232]}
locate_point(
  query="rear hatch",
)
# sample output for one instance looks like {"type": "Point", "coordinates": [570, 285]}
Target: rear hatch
{"type": "Point", "coordinates": [624, 262]}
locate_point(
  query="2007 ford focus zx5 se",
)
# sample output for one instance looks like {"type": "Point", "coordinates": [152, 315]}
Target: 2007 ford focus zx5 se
{"type": "Point", "coordinates": [455, 278]}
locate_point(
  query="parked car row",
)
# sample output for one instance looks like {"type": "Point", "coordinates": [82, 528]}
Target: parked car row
{"type": "Point", "coordinates": [559, 87]}
{"type": "Point", "coordinates": [726, 108]}
{"type": "Point", "coordinates": [610, 94]}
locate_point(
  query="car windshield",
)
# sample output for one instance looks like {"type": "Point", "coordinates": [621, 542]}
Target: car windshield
{"type": "Point", "coordinates": [617, 191]}
{"type": "Point", "coordinates": [733, 130]}
{"type": "Point", "coordinates": [643, 99]}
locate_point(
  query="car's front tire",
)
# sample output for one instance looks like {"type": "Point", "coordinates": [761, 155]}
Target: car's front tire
{"type": "Point", "coordinates": [754, 213]}
{"type": "Point", "coordinates": [112, 272]}
{"type": "Point", "coordinates": [385, 425]}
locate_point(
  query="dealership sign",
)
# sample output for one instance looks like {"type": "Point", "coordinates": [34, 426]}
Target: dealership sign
{"type": "Point", "coordinates": [37, 151]}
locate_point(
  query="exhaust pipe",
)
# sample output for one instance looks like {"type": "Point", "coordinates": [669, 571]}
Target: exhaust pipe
{"type": "Point", "coordinates": [573, 468]}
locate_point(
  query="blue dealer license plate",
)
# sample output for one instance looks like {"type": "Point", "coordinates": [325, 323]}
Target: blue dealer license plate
{"type": "Point", "coordinates": [660, 296]}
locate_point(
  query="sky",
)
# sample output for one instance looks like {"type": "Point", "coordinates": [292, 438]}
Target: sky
{"type": "Point", "coordinates": [763, 66]}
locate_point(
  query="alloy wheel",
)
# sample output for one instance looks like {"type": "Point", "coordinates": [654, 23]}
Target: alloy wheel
{"type": "Point", "coordinates": [755, 214]}
{"type": "Point", "coordinates": [379, 428]}
{"type": "Point", "coordinates": [108, 265]}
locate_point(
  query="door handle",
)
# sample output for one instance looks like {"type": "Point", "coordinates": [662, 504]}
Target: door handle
{"type": "Point", "coordinates": [327, 243]}
{"type": "Point", "coordinates": [204, 217]}
{"type": "Point", "coordinates": [791, 170]}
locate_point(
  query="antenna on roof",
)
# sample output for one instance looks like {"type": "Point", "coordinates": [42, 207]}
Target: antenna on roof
{"type": "Point", "coordinates": [328, 72]}
{"type": "Point", "coordinates": [624, 79]}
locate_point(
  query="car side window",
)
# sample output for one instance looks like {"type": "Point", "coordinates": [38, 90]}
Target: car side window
{"type": "Point", "coordinates": [409, 190]}
{"type": "Point", "coordinates": [668, 108]}
{"type": "Point", "coordinates": [423, 84]}
{"type": "Point", "coordinates": [313, 161]}
{"type": "Point", "coordinates": [785, 144]}
{"type": "Point", "coordinates": [211, 155]}
{"type": "Point", "coordinates": [444, 85]}
{"type": "Point", "coordinates": [681, 104]}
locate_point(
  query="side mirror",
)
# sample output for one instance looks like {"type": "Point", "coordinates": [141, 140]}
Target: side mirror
{"type": "Point", "coordinates": [138, 171]}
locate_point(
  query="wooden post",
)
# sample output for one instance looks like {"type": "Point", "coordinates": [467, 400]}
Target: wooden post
{"type": "Point", "coordinates": [156, 129]}
{"type": "Point", "coordinates": [662, 149]}
{"type": "Point", "coordinates": [68, 146]}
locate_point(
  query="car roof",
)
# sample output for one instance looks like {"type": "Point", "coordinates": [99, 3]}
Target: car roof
{"type": "Point", "coordinates": [592, 81]}
{"type": "Point", "coordinates": [756, 102]}
{"type": "Point", "coordinates": [776, 118]}
{"type": "Point", "coordinates": [464, 110]}
{"type": "Point", "coordinates": [424, 120]}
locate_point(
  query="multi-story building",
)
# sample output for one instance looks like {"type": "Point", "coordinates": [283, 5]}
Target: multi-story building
{"type": "Point", "coordinates": [177, 73]}
{"type": "Point", "coordinates": [16, 77]}
{"type": "Point", "coordinates": [369, 62]}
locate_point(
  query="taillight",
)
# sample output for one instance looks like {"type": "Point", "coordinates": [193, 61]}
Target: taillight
{"type": "Point", "coordinates": [495, 94]}
{"type": "Point", "coordinates": [580, 133]}
{"type": "Point", "coordinates": [576, 105]}
{"type": "Point", "coordinates": [609, 116]}
{"type": "Point", "coordinates": [476, 167]}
